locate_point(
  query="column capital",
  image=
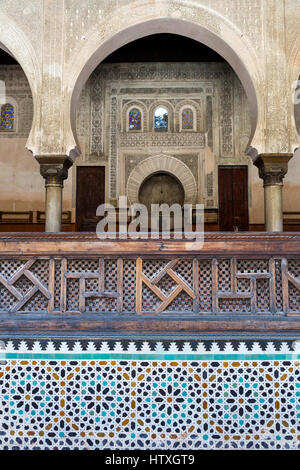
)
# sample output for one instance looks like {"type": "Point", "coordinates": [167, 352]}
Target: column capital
{"type": "Point", "coordinates": [272, 167]}
{"type": "Point", "coordinates": [54, 168]}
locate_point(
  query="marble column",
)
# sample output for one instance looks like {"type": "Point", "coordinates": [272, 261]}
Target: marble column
{"type": "Point", "coordinates": [54, 170]}
{"type": "Point", "coordinates": [272, 169]}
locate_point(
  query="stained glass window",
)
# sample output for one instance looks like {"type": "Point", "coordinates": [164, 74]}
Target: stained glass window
{"type": "Point", "coordinates": [161, 119]}
{"type": "Point", "coordinates": [7, 117]}
{"type": "Point", "coordinates": [187, 119]}
{"type": "Point", "coordinates": [135, 120]}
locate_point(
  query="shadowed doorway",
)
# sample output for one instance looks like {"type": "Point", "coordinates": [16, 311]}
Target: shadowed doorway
{"type": "Point", "coordinates": [233, 198]}
{"type": "Point", "coordinates": [90, 194]}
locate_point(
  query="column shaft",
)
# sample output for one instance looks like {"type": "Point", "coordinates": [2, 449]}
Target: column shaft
{"type": "Point", "coordinates": [273, 208]}
{"type": "Point", "coordinates": [53, 206]}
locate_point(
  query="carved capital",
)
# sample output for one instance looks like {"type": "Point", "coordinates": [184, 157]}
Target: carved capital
{"type": "Point", "coordinates": [54, 168]}
{"type": "Point", "coordinates": [272, 167]}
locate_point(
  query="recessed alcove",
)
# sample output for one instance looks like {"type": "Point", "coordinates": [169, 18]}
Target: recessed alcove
{"type": "Point", "coordinates": [161, 188]}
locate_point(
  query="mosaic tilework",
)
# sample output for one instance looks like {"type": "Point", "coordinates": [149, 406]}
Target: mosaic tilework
{"type": "Point", "coordinates": [141, 396]}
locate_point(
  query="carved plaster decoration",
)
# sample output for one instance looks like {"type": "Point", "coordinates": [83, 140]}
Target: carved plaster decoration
{"type": "Point", "coordinates": [113, 150]}
{"type": "Point", "coordinates": [97, 115]}
{"type": "Point", "coordinates": [18, 94]}
{"type": "Point", "coordinates": [205, 86]}
{"type": "Point", "coordinates": [163, 139]}
{"type": "Point", "coordinates": [80, 34]}
{"type": "Point", "coordinates": [14, 103]}
{"type": "Point", "coordinates": [161, 163]}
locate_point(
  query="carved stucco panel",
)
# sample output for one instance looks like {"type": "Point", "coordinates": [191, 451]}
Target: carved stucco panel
{"type": "Point", "coordinates": [72, 28]}
{"type": "Point", "coordinates": [162, 163]}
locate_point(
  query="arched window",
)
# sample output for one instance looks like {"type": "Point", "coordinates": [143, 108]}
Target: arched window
{"type": "Point", "coordinates": [135, 120]}
{"type": "Point", "coordinates": [161, 119]}
{"type": "Point", "coordinates": [187, 119]}
{"type": "Point", "coordinates": [7, 117]}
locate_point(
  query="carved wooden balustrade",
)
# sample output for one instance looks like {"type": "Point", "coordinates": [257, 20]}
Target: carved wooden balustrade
{"type": "Point", "coordinates": [75, 283]}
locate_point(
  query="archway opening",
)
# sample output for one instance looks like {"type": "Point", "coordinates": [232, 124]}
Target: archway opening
{"type": "Point", "coordinates": [161, 188]}
{"type": "Point", "coordinates": [22, 189]}
{"type": "Point", "coordinates": [230, 46]}
{"type": "Point", "coordinates": [297, 106]}
{"type": "Point", "coordinates": [171, 83]}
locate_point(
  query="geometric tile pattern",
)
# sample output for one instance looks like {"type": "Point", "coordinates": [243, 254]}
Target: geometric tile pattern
{"type": "Point", "coordinates": [149, 398]}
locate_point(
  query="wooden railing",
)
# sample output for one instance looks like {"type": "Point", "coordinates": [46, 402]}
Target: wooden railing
{"type": "Point", "coordinates": [16, 217]}
{"type": "Point", "coordinates": [70, 284]}
{"type": "Point", "coordinates": [66, 217]}
{"type": "Point", "coordinates": [29, 217]}
{"type": "Point", "coordinates": [291, 218]}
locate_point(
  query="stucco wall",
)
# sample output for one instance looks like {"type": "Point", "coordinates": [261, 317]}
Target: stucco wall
{"type": "Point", "coordinates": [22, 187]}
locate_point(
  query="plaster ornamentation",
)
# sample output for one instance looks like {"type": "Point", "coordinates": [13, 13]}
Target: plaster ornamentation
{"type": "Point", "coordinates": [276, 89]}
{"type": "Point", "coordinates": [113, 155]}
{"type": "Point", "coordinates": [112, 90]}
{"type": "Point", "coordinates": [80, 34]}
{"type": "Point", "coordinates": [208, 88]}
{"type": "Point", "coordinates": [133, 158]}
{"type": "Point", "coordinates": [17, 93]}
{"type": "Point", "coordinates": [163, 139]}
{"type": "Point", "coordinates": [226, 116]}
{"type": "Point", "coordinates": [161, 163]}
{"type": "Point", "coordinates": [58, 45]}
{"type": "Point", "coordinates": [96, 137]}
{"type": "Point", "coordinates": [146, 18]}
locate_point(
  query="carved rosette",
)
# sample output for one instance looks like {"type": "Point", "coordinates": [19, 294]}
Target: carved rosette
{"type": "Point", "coordinates": [272, 167]}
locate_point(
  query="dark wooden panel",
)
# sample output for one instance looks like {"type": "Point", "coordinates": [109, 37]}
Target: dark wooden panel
{"type": "Point", "coordinates": [250, 245]}
{"type": "Point", "coordinates": [225, 200]}
{"type": "Point", "coordinates": [137, 325]}
{"type": "Point", "coordinates": [233, 198]}
{"type": "Point", "coordinates": [32, 228]}
{"type": "Point", "coordinates": [90, 193]}
{"type": "Point", "coordinates": [240, 198]}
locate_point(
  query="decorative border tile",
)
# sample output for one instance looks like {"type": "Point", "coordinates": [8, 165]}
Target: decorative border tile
{"type": "Point", "coordinates": [151, 347]}
{"type": "Point", "coordinates": [147, 350]}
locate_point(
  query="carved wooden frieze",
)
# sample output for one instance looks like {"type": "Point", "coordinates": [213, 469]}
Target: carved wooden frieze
{"type": "Point", "coordinates": [231, 282]}
{"type": "Point", "coordinates": [185, 286]}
